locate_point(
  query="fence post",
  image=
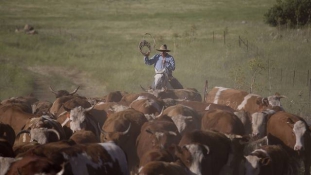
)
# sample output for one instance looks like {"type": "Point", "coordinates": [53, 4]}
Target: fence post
{"type": "Point", "coordinates": [281, 74]}
{"type": "Point", "coordinates": [205, 91]}
{"type": "Point", "coordinates": [239, 41]}
{"type": "Point", "coordinates": [247, 45]}
{"type": "Point", "coordinates": [213, 36]}
{"type": "Point", "coordinates": [224, 37]}
{"type": "Point", "coordinates": [294, 78]}
{"type": "Point", "coordinates": [308, 78]}
{"type": "Point", "coordinates": [310, 93]}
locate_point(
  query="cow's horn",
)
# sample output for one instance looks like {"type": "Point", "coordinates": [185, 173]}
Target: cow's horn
{"type": "Point", "coordinates": [55, 131]}
{"type": "Point", "coordinates": [54, 92]}
{"type": "Point", "coordinates": [73, 92]}
{"type": "Point", "coordinates": [90, 108]}
{"type": "Point", "coordinates": [160, 113]}
{"type": "Point", "coordinates": [125, 132]}
{"type": "Point", "coordinates": [23, 131]}
{"type": "Point", "coordinates": [101, 130]}
{"type": "Point", "coordinates": [233, 136]}
{"type": "Point", "coordinates": [149, 131]}
{"type": "Point", "coordinates": [143, 89]}
{"type": "Point", "coordinates": [172, 133]}
{"type": "Point", "coordinates": [62, 113]}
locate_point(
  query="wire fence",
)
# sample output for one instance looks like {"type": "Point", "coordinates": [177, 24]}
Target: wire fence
{"type": "Point", "coordinates": [297, 83]}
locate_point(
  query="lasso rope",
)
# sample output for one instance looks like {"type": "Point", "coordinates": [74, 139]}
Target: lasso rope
{"type": "Point", "coordinates": [145, 43]}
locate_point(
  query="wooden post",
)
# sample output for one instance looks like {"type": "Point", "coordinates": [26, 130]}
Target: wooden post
{"type": "Point", "coordinates": [308, 78]}
{"type": "Point", "coordinates": [205, 91]}
{"type": "Point", "coordinates": [213, 36]}
{"type": "Point", "coordinates": [281, 74]}
{"type": "Point", "coordinates": [247, 45]}
{"type": "Point", "coordinates": [239, 41]}
{"type": "Point", "coordinates": [224, 37]}
{"type": "Point", "coordinates": [294, 78]}
{"type": "Point", "coordinates": [310, 93]}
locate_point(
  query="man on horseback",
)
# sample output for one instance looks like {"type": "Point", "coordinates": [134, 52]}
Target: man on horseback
{"type": "Point", "coordinates": [164, 65]}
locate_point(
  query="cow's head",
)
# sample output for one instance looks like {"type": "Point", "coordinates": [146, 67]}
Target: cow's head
{"type": "Point", "coordinates": [161, 139]}
{"type": "Point", "coordinates": [253, 164]}
{"type": "Point", "coordinates": [117, 137]}
{"type": "Point", "coordinates": [78, 118]}
{"type": "Point", "coordinates": [41, 135]}
{"type": "Point", "coordinates": [299, 129]}
{"type": "Point", "coordinates": [192, 156]}
{"type": "Point", "coordinates": [146, 105]}
{"type": "Point", "coordinates": [61, 93]}
{"type": "Point", "coordinates": [259, 122]}
{"type": "Point", "coordinates": [275, 100]}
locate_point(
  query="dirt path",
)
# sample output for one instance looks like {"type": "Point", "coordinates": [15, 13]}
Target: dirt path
{"type": "Point", "coordinates": [45, 77]}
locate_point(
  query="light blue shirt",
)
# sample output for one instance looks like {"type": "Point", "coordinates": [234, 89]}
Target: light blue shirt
{"type": "Point", "coordinates": [157, 61]}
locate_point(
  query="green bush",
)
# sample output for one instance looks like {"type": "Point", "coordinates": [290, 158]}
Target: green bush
{"type": "Point", "coordinates": [291, 12]}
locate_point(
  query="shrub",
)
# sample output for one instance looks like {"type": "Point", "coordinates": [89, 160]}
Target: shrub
{"type": "Point", "coordinates": [292, 12]}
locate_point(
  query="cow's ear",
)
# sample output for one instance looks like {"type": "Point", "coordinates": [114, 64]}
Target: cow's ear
{"type": "Point", "coordinates": [66, 109]}
{"type": "Point", "coordinates": [265, 101]}
{"type": "Point", "coordinates": [149, 131]}
{"type": "Point", "coordinates": [265, 161]}
{"type": "Point", "coordinates": [290, 122]}
{"type": "Point", "coordinates": [262, 101]}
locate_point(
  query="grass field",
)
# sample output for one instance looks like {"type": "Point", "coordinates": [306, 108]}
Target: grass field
{"type": "Point", "coordinates": [94, 44]}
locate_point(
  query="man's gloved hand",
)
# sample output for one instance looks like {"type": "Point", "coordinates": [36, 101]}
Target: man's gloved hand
{"type": "Point", "coordinates": [147, 54]}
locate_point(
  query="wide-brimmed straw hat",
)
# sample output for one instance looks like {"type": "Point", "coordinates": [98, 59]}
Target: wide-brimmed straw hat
{"type": "Point", "coordinates": [163, 48]}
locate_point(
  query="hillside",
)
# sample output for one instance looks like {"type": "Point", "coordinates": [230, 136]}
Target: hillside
{"type": "Point", "coordinates": [93, 44]}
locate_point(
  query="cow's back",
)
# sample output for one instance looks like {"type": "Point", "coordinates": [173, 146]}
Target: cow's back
{"type": "Point", "coordinates": [222, 121]}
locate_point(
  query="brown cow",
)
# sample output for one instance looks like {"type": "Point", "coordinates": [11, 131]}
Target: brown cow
{"type": "Point", "coordinates": [204, 152]}
{"type": "Point", "coordinates": [123, 128]}
{"type": "Point", "coordinates": [15, 116]}
{"type": "Point", "coordinates": [241, 100]}
{"type": "Point", "coordinates": [26, 101]}
{"type": "Point", "coordinates": [185, 118]}
{"type": "Point", "coordinates": [95, 158]}
{"type": "Point", "coordinates": [182, 94]}
{"type": "Point", "coordinates": [127, 99]}
{"type": "Point", "coordinates": [105, 109]}
{"type": "Point", "coordinates": [148, 106]}
{"type": "Point", "coordinates": [259, 123]}
{"type": "Point", "coordinates": [202, 107]}
{"type": "Point", "coordinates": [79, 118]}
{"type": "Point", "coordinates": [158, 133]}
{"type": "Point", "coordinates": [28, 166]}
{"type": "Point", "coordinates": [42, 129]}
{"type": "Point", "coordinates": [62, 93]}
{"type": "Point", "coordinates": [292, 132]}
{"type": "Point", "coordinates": [269, 160]}
{"type": "Point", "coordinates": [222, 121]}
{"type": "Point", "coordinates": [65, 158]}
{"type": "Point", "coordinates": [68, 102]}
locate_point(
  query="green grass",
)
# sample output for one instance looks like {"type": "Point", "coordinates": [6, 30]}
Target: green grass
{"type": "Point", "coordinates": [100, 37]}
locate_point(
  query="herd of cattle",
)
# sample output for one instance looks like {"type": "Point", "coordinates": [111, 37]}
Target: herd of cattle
{"type": "Point", "coordinates": [169, 132]}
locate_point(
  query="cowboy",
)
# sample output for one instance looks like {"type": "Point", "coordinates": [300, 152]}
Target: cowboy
{"type": "Point", "coordinates": [164, 65]}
